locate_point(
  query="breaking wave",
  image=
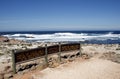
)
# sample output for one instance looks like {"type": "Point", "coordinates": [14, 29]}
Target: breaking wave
{"type": "Point", "coordinates": [66, 36]}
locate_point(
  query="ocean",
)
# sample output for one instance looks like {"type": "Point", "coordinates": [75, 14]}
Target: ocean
{"type": "Point", "coordinates": [97, 37]}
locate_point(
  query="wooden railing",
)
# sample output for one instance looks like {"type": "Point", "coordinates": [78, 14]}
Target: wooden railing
{"type": "Point", "coordinates": [26, 55]}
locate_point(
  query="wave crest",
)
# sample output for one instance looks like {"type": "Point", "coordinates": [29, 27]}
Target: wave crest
{"type": "Point", "coordinates": [66, 36]}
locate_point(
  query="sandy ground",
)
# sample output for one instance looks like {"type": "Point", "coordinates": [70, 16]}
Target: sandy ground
{"type": "Point", "coordinates": [93, 68]}
{"type": "Point", "coordinates": [90, 69]}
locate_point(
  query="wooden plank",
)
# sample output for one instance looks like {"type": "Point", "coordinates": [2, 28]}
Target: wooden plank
{"type": "Point", "coordinates": [53, 49]}
{"type": "Point", "coordinates": [46, 54]}
{"type": "Point", "coordinates": [38, 52]}
{"type": "Point", "coordinates": [69, 47]}
{"type": "Point", "coordinates": [29, 54]}
{"type": "Point", "coordinates": [80, 50]}
{"type": "Point", "coordinates": [13, 62]}
{"type": "Point", "coordinates": [59, 53]}
{"type": "Point", "coordinates": [22, 56]}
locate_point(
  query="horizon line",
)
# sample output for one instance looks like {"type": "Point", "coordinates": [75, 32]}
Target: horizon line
{"type": "Point", "coordinates": [54, 30]}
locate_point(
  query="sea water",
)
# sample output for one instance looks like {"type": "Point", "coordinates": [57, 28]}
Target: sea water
{"type": "Point", "coordinates": [99, 37]}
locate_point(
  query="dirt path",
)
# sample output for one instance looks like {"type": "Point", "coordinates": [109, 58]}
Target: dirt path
{"type": "Point", "coordinates": [90, 69]}
{"type": "Point", "coordinates": [97, 67]}
{"type": "Point", "coordinates": [80, 69]}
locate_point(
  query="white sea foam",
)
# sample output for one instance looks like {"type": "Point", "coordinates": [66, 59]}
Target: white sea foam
{"type": "Point", "coordinates": [64, 37]}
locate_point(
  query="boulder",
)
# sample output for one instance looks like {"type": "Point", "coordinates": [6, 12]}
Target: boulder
{"type": "Point", "coordinates": [4, 39]}
{"type": "Point", "coordinates": [8, 76]}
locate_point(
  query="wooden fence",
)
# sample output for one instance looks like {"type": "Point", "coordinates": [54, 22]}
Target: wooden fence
{"type": "Point", "coordinates": [24, 56]}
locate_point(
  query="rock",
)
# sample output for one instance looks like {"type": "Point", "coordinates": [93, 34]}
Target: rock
{"type": "Point", "coordinates": [72, 56]}
{"type": "Point", "coordinates": [26, 70]}
{"type": "Point", "coordinates": [118, 48]}
{"type": "Point", "coordinates": [112, 56]}
{"type": "Point", "coordinates": [65, 56]}
{"type": "Point", "coordinates": [4, 39]}
{"type": "Point", "coordinates": [53, 62]}
{"type": "Point", "coordinates": [71, 59]}
{"type": "Point", "coordinates": [85, 57]}
{"type": "Point", "coordinates": [33, 68]}
{"type": "Point", "coordinates": [26, 67]}
{"type": "Point", "coordinates": [7, 68]}
{"type": "Point", "coordinates": [18, 67]}
{"type": "Point", "coordinates": [20, 73]}
{"type": "Point", "coordinates": [8, 76]}
{"type": "Point", "coordinates": [1, 53]}
{"type": "Point", "coordinates": [78, 54]}
{"type": "Point", "coordinates": [50, 59]}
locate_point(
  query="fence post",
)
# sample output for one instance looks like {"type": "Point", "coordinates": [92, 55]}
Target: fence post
{"type": "Point", "coordinates": [13, 62]}
{"type": "Point", "coordinates": [59, 53]}
{"type": "Point", "coordinates": [46, 55]}
{"type": "Point", "coordinates": [80, 52]}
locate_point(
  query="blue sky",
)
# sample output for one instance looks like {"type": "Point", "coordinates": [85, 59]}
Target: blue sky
{"type": "Point", "coordinates": [40, 15]}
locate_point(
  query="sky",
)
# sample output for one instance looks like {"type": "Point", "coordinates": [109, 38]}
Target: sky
{"type": "Point", "coordinates": [49, 15]}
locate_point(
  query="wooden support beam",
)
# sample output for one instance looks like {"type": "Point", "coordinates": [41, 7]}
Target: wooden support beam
{"type": "Point", "coordinates": [59, 53]}
{"type": "Point", "coordinates": [13, 62]}
{"type": "Point", "coordinates": [80, 52]}
{"type": "Point", "coordinates": [46, 55]}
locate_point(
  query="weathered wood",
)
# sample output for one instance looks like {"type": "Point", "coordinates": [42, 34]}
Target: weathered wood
{"type": "Point", "coordinates": [13, 62]}
{"type": "Point", "coordinates": [23, 56]}
{"type": "Point", "coordinates": [59, 53]}
{"type": "Point", "coordinates": [46, 55]}
{"type": "Point", "coordinates": [80, 50]}
{"type": "Point", "coordinates": [53, 49]}
{"type": "Point", "coordinates": [29, 54]}
{"type": "Point", "coordinates": [70, 47]}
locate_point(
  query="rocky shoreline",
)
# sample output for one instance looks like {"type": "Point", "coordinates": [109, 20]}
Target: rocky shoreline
{"type": "Point", "coordinates": [6, 48]}
{"type": "Point", "coordinates": [109, 52]}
